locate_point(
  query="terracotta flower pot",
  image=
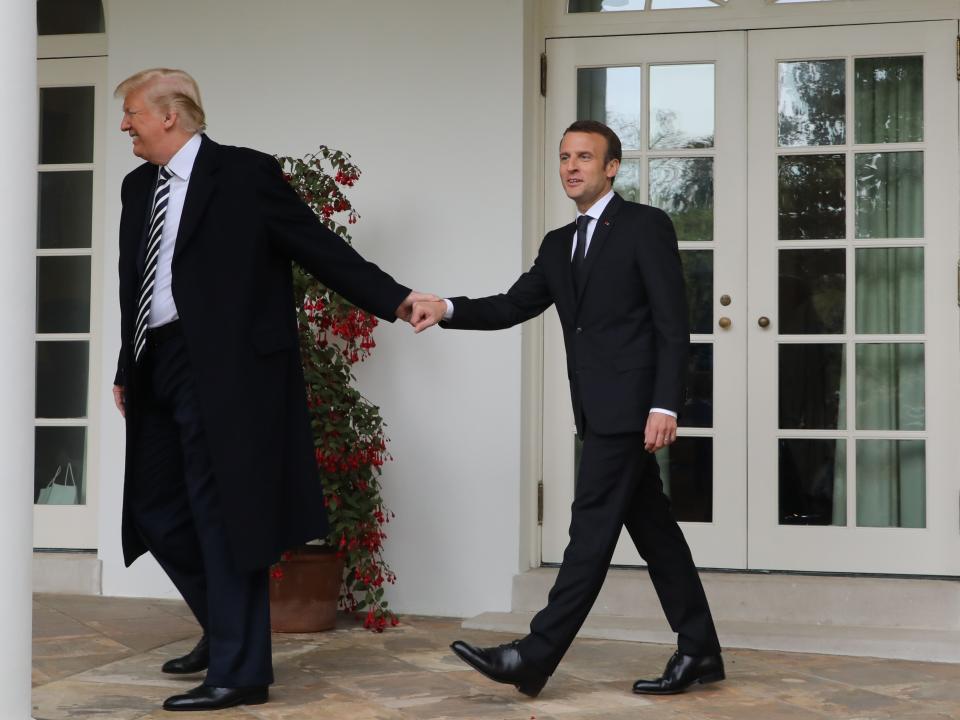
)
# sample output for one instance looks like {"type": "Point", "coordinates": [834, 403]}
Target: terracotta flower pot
{"type": "Point", "coordinates": [304, 596]}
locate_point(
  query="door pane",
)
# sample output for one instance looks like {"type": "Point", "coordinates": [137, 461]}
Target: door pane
{"type": "Point", "coordinates": [63, 294]}
{"type": "Point", "coordinates": [582, 6]}
{"type": "Point", "coordinates": [890, 386]}
{"type": "Point", "coordinates": [889, 195]}
{"type": "Point", "coordinates": [697, 410]}
{"type": "Point", "coordinates": [65, 209]}
{"type": "Point", "coordinates": [812, 384]}
{"type": "Point", "coordinates": [686, 469]}
{"type": "Point", "coordinates": [888, 102]}
{"type": "Point", "coordinates": [66, 125]}
{"type": "Point", "coordinates": [56, 450]}
{"type": "Point", "coordinates": [890, 290]}
{"type": "Point", "coordinates": [812, 197]}
{"type": "Point", "coordinates": [69, 17]}
{"type": "Point", "coordinates": [627, 181]}
{"type": "Point", "coordinates": [812, 291]}
{"type": "Point", "coordinates": [698, 275]}
{"type": "Point", "coordinates": [612, 96]}
{"type": "Point", "coordinates": [813, 482]}
{"type": "Point", "coordinates": [812, 103]}
{"type": "Point", "coordinates": [891, 483]}
{"type": "Point", "coordinates": [681, 106]}
{"type": "Point", "coordinates": [683, 188]}
{"type": "Point", "coordinates": [62, 379]}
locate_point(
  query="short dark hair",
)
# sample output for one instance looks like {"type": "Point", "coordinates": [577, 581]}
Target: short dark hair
{"type": "Point", "coordinates": [614, 149]}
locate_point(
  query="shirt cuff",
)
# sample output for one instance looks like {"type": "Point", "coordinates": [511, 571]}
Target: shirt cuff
{"type": "Point", "coordinates": [671, 413]}
{"type": "Point", "coordinates": [449, 313]}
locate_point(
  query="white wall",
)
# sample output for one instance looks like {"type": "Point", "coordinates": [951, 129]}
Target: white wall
{"type": "Point", "coordinates": [428, 97]}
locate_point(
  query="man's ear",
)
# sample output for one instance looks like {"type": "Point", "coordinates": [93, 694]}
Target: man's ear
{"type": "Point", "coordinates": [612, 167]}
{"type": "Point", "coordinates": [169, 119]}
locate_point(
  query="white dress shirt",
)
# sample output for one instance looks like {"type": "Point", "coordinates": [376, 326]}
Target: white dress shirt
{"type": "Point", "coordinates": [594, 212]}
{"type": "Point", "coordinates": [163, 310]}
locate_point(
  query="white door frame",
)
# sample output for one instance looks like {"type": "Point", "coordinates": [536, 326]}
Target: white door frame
{"type": "Point", "coordinates": [75, 526]}
{"type": "Point", "coordinates": [936, 549]}
{"type": "Point", "coordinates": [721, 542]}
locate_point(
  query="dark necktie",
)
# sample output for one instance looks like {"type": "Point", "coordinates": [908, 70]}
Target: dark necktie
{"type": "Point", "coordinates": [154, 233]}
{"type": "Point", "coordinates": [583, 222]}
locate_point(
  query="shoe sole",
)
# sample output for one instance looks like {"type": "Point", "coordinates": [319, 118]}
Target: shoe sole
{"type": "Point", "coordinates": [705, 680]}
{"type": "Point", "coordinates": [530, 689]}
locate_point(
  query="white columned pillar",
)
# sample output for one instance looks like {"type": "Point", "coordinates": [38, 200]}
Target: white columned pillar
{"type": "Point", "coordinates": [18, 238]}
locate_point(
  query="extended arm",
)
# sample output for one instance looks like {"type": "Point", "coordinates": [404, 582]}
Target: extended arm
{"type": "Point", "coordinates": [527, 297]}
{"type": "Point", "coordinates": [298, 233]}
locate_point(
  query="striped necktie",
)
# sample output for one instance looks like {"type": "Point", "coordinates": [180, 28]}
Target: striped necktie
{"type": "Point", "coordinates": [154, 234]}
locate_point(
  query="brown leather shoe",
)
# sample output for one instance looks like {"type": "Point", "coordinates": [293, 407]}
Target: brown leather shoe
{"type": "Point", "coordinates": [681, 672]}
{"type": "Point", "coordinates": [502, 664]}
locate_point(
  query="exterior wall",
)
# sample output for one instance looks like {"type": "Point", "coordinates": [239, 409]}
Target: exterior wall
{"type": "Point", "coordinates": [428, 97]}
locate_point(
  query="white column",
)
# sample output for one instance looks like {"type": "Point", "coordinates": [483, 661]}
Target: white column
{"type": "Point", "coordinates": [18, 238]}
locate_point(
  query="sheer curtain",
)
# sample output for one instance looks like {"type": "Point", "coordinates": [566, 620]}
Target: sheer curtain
{"type": "Point", "coordinates": [890, 294]}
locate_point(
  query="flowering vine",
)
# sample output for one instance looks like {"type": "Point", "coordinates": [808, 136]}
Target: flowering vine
{"type": "Point", "coordinates": [350, 445]}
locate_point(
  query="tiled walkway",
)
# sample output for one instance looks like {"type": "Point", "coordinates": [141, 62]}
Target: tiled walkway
{"type": "Point", "coordinates": [100, 658]}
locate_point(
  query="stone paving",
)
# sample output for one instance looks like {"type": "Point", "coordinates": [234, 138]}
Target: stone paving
{"type": "Point", "coordinates": [100, 658]}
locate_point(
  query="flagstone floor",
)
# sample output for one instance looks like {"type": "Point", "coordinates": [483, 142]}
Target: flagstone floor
{"type": "Point", "coordinates": [100, 658]}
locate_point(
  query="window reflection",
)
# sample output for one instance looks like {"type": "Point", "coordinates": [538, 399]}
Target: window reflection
{"type": "Point", "coordinates": [812, 103]}
{"type": "Point", "coordinates": [812, 197]}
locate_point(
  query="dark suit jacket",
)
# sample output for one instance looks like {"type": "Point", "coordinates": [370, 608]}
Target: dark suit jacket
{"type": "Point", "coordinates": [626, 335]}
{"type": "Point", "coordinates": [242, 224]}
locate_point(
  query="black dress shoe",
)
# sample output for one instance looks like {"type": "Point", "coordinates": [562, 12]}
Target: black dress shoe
{"type": "Point", "coordinates": [681, 672]}
{"type": "Point", "coordinates": [503, 664]}
{"type": "Point", "coordinates": [206, 697]}
{"type": "Point", "coordinates": [193, 662]}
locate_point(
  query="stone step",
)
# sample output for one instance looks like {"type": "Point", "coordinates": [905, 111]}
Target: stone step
{"type": "Point", "coordinates": [903, 618]}
{"type": "Point", "coordinates": [74, 573]}
{"type": "Point", "coordinates": [863, 641]}
{"type": "Point", "coordinates": [919, 603]}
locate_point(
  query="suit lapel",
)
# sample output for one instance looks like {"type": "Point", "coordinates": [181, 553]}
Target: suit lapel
{"type": "Point", "coordinates": [199, 190]}
{"type": "Point", "coordinates": [569, 297]}
{"type": "Point", "coordinates": [140, 208]}
{"type": "Point", "coordinates": [604, 225]}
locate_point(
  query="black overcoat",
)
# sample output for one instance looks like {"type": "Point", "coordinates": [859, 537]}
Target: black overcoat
{"type": "Point", "coordinates": [626, 334]}
{"type": "Point", "coordinates": [242, 225]}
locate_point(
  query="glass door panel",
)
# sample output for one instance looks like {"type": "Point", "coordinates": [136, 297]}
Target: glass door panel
{"type": "Point", "coordinates": [684, 152]}
{"type": "Point", "coordinates": [851, 166]}
{"type": "Point", "coordinates": [69, 231]}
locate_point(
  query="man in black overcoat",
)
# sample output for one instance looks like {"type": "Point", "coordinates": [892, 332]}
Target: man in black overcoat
{"type": "Point", "coordinates": [616, 279]}
{"type": "Point", "coordinates": [220, 475]}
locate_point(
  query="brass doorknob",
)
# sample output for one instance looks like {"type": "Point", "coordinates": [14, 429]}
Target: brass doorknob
{"type": "Point", "coordinates": [725, 322]}
{"type": "Point", "coordinates": [763, 321]}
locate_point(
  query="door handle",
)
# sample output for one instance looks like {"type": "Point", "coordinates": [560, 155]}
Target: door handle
{"type": "Point", "coordinates": [763, 321]}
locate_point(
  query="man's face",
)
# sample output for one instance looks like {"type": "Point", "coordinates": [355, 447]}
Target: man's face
{"type": "Point", "coordinates": [145, 125]}
{"type": "Point", "coordinates": [585, 176]}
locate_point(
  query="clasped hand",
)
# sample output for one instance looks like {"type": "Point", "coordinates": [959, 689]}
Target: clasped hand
{"type": "Point", "coordinates": [422, 310]}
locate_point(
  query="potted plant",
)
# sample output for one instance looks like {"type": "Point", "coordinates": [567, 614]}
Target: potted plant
{"type": "Point", "coordinates": [348, 434]}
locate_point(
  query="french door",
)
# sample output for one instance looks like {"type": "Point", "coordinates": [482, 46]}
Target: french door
{"type": "Point", "coordinates": [69, 230]}
{"type": "Point", "coordinates": [678, 104]}
{"type": "Point", "coordinates": [812, 179]}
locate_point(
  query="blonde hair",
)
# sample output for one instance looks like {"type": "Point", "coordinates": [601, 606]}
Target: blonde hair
{"type": "Point", "coordinates": [169, 90]}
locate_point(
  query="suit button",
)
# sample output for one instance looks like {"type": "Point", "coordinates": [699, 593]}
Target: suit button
{"type": "Point", "coordinates": [579, 330]}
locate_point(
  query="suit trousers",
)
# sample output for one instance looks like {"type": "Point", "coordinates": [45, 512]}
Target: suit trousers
{"type": "Point", "coordinates": [178, 513]}
{"type": "Point", "coordinates": [618, 484]}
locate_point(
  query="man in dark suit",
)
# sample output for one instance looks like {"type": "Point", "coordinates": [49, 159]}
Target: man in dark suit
{"type": "Point", "coordinates": [220, 475]}
{"type": "Point", "coordinates": [616, 279]}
